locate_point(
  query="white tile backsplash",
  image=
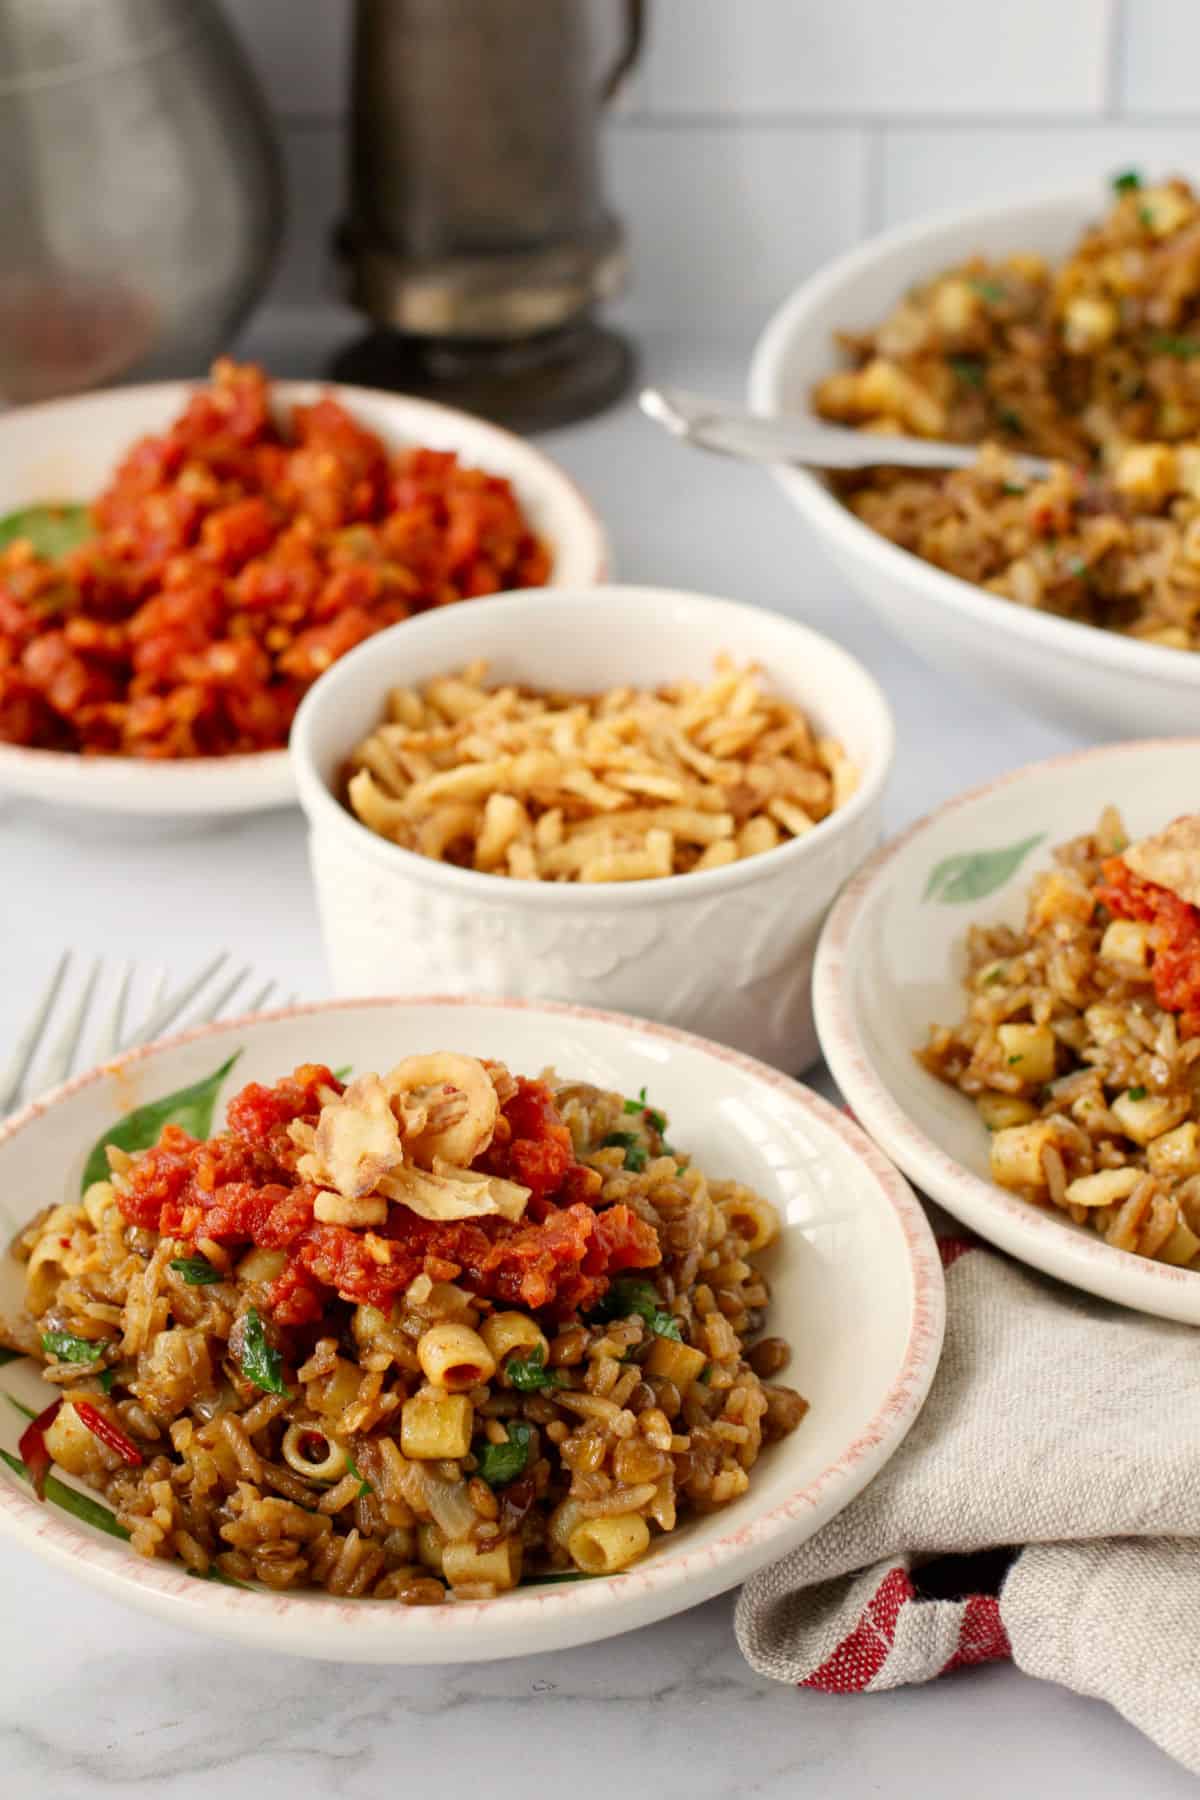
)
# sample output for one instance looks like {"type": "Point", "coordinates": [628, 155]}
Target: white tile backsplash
{"type": "Point", "coordinates": [300, 50]}
{"type": "Point", "coordinates": [722, 223]}
{"type": "Point", "coordinates": [873, 57]}
{"type": "Point", "coordinates": [761, 137]}
{"type": "Point", "coordinates": [1159, 57]}
{"type": "Point", "coordinates": [925, 169]}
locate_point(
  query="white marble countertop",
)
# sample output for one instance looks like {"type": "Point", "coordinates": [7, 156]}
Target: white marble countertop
{"type": "Point", "coordinates": [98, 1701]}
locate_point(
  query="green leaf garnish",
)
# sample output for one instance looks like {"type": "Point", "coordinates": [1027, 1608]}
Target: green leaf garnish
{"type": "Point", "coordinates": [1137, 1093]}
{"type": "Point", "coordinates": [261, 1364]}
{"type": "Point", "coordinates": [344, 1073]}
{"type": "Point", "coordinates": [1011, 421]}
{"type": "Point", "coordinates": [1015, 1059]}
{"type": "Point", "coordinates": [529, 1374]}
{"type": "Point", "coordinates": [26, 1412]}
{"type": "Point", "coordinates": [1078, 567]}
{"type": "Point", "coordinates": [197, 1271]}
{"type": "Point", "coordinates": [502, 1463]}
{"type": "Point", "coordinates": [1011, 488]}
{"type": "Point", "coordinates": [705, 1374]}
{"type": "Point", "coordinates": [7, 1356]}
{"type": "Point", "coordinates": [192, 1107]}
{"type": "Point", "coordinates": [107, 1377]}
{"type": "Point", "coordinates": [636, 1153]}
{"type": "Point", "coordinates": [52, 529]}
{"type": "Point", "coordinates": [974, 874]}
{"type": "Point", "coordinates": [68, 1347]}
{"type": "Point", "coordinates": [968, 369]}
{"type": "Point", "coordinates": [364, 1486]}
{"type": "Point", "coordinates": [1165, 343]}
{"type": "Point", "coordinates": [990, 290]}
{"type": "Point", "coordinates": [1127, 182]}
{"type": "Point", "coordinates": [628, 1296]}
{"type": "Point", "coordinates": [80, 1506]}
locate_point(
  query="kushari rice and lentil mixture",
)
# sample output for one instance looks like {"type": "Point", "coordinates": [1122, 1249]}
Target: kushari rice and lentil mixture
{"type": "Point", "coordinates": [435, 1332]}
{"type": "Point", "coordinates": [1093, 362]}
{"type": "Point", "coordinates": [1081, 1040]}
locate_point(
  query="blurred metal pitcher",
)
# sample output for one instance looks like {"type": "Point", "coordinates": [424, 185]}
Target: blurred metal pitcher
{"type": "Point", "coordinates": [142, 193]}
{"type": "Point", "coordinates": [476, 219]}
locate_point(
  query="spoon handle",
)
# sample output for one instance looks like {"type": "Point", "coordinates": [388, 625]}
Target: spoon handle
{"type": "Point", "coordinates": [799, 440]}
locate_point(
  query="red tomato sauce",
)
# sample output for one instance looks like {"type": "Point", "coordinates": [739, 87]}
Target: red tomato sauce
{"type": "Point", "coordinates": [232, 564]}
{"type": "Point", "coordinates": [241, 1188]}
{"type": "Point", "coordinates": [1174, 938]}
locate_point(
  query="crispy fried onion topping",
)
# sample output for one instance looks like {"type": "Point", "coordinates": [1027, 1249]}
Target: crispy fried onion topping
{"type": "Point", "coordinates": [1171, 858]}
{"type": "Point", "coordinates": [408, 1137]}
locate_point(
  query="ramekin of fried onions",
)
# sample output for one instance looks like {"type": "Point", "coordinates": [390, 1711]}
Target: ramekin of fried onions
{"type": "Point", "coordinates": [626, 785]}
{"type": "Point", "coordinates": [646, 804]}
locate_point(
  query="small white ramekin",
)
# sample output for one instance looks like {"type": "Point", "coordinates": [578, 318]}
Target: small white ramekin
{"type": "Point", "coordinates": [728, 952]}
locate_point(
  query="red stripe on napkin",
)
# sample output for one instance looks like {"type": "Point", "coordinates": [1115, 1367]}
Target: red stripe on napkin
{"type": "Point", "coordinates": [981, 1636]}
{"type": "Point", "coordinates": [860, 1655]}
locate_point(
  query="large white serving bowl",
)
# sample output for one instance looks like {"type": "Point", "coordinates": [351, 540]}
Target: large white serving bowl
{"type": "Point", "coordinates": [855, 1275]}
{"type": "Point", "coordinates": [1070, 673]}
{"type": "Point", "coordinates": [727, 952]}
{"type": "Point", "coordinates": [890, 964]}
{"type": "Point", "coordinates": [67, 450]}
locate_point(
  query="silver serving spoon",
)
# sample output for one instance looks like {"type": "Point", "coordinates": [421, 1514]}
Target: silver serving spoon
{"type": "Point", "coordinates": [805, 440]}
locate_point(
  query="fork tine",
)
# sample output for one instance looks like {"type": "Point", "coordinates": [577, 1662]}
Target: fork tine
{"type": "Point", "coordinates": [257, 1001]}
{"type": "Point", "coordinates": [18, 1067]}
{"type": "Point", "coordinates": [58, 1063]}
{"type": "Point", "coordinates": [163, 1011]}
{"type": "Point", "coordinates": [110, 1042]}
{"type": "Point", "coordinates": [214, 1008]}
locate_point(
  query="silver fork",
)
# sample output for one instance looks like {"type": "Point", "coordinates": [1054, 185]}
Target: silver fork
{"type": "Point", "coordinates": [207, 1001]}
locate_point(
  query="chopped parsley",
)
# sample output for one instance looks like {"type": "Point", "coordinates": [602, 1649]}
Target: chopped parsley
{"type": "Point", "coordinates": [653, 1116]}
{"type": "Point", "coordinates": [705, 1374]}
{"type": "Point", "coordinates": [261, 1362]}
{"type": "Point", "coordinates": [1011, 421]}
{"type": "Point", "coordinates": [1015, 1059]}
{"type": "Point", "coordinates": [1145, 217]}
{"type": "Point", "coordinates": [636, 1153]}
{"type": "Point", "coordinates": [1126, 183]}
{"type": "Point", "coordinates": [968, 369]}
{"type": "Point", "coordinates": [364, 1486]}
{"type": "Point", "coordinates": [501, 1463]}
{"type": "Point", "coordinates": [1010, 487]}
{"type": "Point", "coordinates": [529, 1374]}
{"type": "Point", "coordinates": [67, 1347]}
{"type": "Point", "coordinates": [629, 1295]}
{"type": "Point", "coordinates": [991, 291]}
{"type": "Point", "coordinates": [1165, 343]}
{"type": "Point", "coordinates": [1078, 567]}
{"type": "Point", "coordinates": [107, 1377]}
{"type": "Point", "coordinates": [992, 975]}
{"type": "Point", "coordinates": [1137, 1093]}
{"type": "Point", "coordinates": [196, 1271]}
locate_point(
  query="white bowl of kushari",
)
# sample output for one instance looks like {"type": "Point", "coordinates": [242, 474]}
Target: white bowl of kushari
{"type": "Point", "coordinates": [644, 800]}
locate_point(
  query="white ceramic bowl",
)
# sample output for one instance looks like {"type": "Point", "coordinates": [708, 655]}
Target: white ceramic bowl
{"type": "Point", "coordinates": [1070, 673]}
{"type": "Point", "coordinates": [727, 952]}
{"type": "Point", "coordinates": [68, 449]}
{"type": "Point", "coordinates": [856, 1288]}
{"type": "Point", "coordinates": [890, 965]}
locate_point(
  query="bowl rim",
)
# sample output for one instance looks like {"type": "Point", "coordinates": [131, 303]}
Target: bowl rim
{"type": "Point", "coordinates": [254, 1616]}
{"type": "Point", "coordinates": [324, 809]}
{"type": "Point", "coordinates": [1037, 1236]}
{"type": "Point", "coordinates": [141, 776]}
{"type": "Point", "coordinates": [903, 568]}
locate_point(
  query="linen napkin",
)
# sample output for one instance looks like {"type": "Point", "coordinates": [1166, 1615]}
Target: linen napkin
{"type": "Point", "coordinates": [1061, 1437]}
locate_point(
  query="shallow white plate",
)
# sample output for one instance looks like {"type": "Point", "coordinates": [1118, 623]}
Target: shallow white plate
{"type": "Point", "coordinates": [857, 1290]}
{"type": "Point", "coordinates": [890, 964]}
{"type": "Point", "coordinates": [67, 450]}
{"type": "Point", "coordinates": [1065, 671]}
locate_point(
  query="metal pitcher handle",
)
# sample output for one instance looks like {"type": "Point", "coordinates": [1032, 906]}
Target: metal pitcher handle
{"type": "Point", "coordinates": [631, 49]}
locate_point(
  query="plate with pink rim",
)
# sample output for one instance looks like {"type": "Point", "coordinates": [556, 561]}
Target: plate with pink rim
{"type": "Point", "coordinates": [891, 961]}
{"type": "Point", "coordinates": [854, 1274]}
